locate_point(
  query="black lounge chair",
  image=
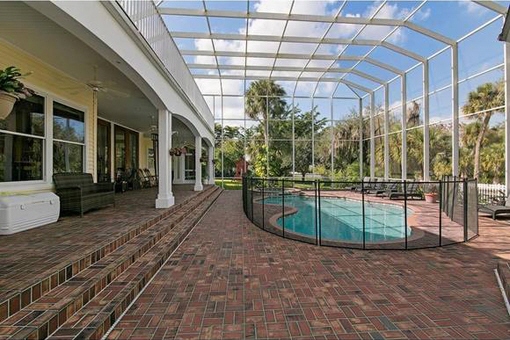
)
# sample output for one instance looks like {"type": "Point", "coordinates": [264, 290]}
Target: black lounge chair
{"type": "Point", "coordinates": [496, 209]}
{"type": "Point", "coordinates": [412, 191]}
{"type": "Point", "coordinates": [389, 189]}
{"type": "Point", "coordinates": [357, 187]}
{"type": "Point", "coordinates": [378, 188]}
{"type": "Point", "coordinates": [367, 185]}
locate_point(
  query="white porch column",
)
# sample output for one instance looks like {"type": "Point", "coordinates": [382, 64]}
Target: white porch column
{"type": "Point", "coordinates": [165, 197]}
{"type": "Point", "coordinates": [211, 165]}
{"type": "Point", "coordinates": [198, 165]}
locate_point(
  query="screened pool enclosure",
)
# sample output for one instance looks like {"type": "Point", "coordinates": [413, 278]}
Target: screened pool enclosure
{"type": "Point", "coordinates": [349, 89]}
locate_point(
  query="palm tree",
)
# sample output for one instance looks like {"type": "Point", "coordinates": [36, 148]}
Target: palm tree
{"type": "Point", "coordinates": [484, 99]}
{"type": "Point", "coordinates": [413, 114]}
{"type": "Point", "coordinates": [264, 101]}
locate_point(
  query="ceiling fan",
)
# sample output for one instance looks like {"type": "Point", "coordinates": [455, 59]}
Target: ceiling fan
{"type": "Point", "coordinates": [100, 86]}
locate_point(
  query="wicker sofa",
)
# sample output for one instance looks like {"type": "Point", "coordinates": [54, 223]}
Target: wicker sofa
{"type": "Point", "coordinates": [79, 193]}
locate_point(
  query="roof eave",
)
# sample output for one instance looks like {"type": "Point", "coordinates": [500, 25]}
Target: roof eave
{"type": "Point", "coordinates": [504, 35]}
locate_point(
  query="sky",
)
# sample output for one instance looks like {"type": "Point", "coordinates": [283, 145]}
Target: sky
{"type": "Point", "coordinates": [453, 19]}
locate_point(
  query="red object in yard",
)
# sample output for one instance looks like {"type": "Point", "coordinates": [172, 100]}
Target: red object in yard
{"type": "Point", "coordinates": [431, 197]}
{"type": "Point", "coordinates": [241, 168]}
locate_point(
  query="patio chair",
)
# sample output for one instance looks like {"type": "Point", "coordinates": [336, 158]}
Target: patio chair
{"type": "Point", "coordinates": [390, 188]}
{"type": "Point", "coordinates": [144, 180]}
{"type": "Point", "coordinates": [494, 209]}
{"type": "Point", "coordinates": [368, 184]}
{"type": "Point", "coordinates": [153, 179]}
{"type": "Point", "coordinates": [378, 188]}
{"type": "Point", "coordinates": [78, 192]}
{"type": "Point", "coordinates": [412, 191]}
{"type": "Point", "coordinates": [358, 186]}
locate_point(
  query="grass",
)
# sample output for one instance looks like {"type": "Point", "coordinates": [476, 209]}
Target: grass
{"type": "Point", "coordinates": [229, 184]}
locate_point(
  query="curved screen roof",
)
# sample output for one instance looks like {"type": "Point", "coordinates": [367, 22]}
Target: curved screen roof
{"type": "Point", "coordinates": [358, 44]}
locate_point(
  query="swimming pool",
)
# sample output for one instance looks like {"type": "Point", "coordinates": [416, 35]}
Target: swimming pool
{"type": "Point", "coordinates": [342, 219]}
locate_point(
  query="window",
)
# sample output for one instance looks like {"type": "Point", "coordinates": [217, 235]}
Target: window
{"type": "Point", "coordinates": [68, 138]}
{"type": "Point", "coordinates": [126, 149]}
{"type": "Point", "coordinates": [22, 141]}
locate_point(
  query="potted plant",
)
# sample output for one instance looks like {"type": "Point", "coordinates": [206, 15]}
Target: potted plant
{"type": "Point", "coordinates": [11, 89]}
{"type": "Point", "coordinates": [177, 151]}
{"type": "Point", "coordinates": [431, 193]}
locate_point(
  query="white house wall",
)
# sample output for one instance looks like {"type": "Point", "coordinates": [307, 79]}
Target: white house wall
{"type": "Point", "coordinates": [52, 84]}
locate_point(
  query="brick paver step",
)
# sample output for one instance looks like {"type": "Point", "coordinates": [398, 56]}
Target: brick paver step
{"type": "Point", "coordinates": [94, 319]}
{"type": "Point", "coordinates": [42, 317]}
{"type": "Point", "coordinates": [16, 298]}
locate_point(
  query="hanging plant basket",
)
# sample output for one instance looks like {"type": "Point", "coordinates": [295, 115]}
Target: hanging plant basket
{"type": "Point", "coordinates": [177, 151]}
{"type": "Point", "coordinates": [7, 101]}
{"type": "Point", "coordinates": [11, 89]}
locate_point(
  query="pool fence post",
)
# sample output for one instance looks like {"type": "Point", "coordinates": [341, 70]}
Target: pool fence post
{"type": "Point", "coordinates": [316, 208]}
{"type": "Point", "coordinates": [441, 194]}
{"type": "Point", "coordinates": [244, 193]}
{"type": "Point", "coordinates": [319, 211]}
{"type": "Point", "coordinates": [405, 212]}
{"type": "Point", "coordinates": [251, 197]}
{"type": "Point", "coordinates": [465, 206]}
{"type": "Point", "coordinates": [263, 205]}
{"type": "Point", "coordinates": [363, 209]}
{"type": "Point", "coordinates": [283, 207]}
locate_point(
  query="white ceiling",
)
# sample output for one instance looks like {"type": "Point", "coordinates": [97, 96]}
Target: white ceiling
{"type": "Point", "coordinates": [31, 31]}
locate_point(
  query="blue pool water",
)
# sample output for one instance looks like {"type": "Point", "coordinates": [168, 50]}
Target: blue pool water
{"type": "Point", "coordinates": [341, 219]}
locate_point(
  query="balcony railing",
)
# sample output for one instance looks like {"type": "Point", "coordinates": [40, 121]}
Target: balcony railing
{"type": "Point", "coordinates": [147, 20]}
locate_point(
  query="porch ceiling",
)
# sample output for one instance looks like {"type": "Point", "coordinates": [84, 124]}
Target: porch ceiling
{"type": "Point", "coordinates": [119, 100]}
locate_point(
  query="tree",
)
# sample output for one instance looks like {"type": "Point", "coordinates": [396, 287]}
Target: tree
{"type": "Point", "coordinates": [263, 102]}
{"type": "Point", "coordinates": [231, 145]}
{"type": "Point", "coordinates": [482, 103]}
{"type": "Point", "coordinates": [306, 124]}
{"type": "Point", "coordinates": [413, 114]}
{"type": "Point", "coordinates": [303, 157]}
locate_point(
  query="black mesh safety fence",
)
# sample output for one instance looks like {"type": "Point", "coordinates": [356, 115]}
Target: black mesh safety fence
{"type": "Point", "coordinates": [370, 214]}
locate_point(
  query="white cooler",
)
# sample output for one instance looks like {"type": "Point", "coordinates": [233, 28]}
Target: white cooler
{"type": "Point", "coordinates": [22, 212]}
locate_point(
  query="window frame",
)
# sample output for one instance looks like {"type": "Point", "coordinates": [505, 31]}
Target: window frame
{"type": "Point", "coordinates": [47, 182]}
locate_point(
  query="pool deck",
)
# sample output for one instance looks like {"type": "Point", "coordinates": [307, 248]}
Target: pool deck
{"type": "Point", "coordinates": [232, 280]}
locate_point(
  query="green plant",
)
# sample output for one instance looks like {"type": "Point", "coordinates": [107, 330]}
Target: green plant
{"type": "Point", "coordinates": [10, 82]}
{"type": "Point", "coordinates": [430, 189]}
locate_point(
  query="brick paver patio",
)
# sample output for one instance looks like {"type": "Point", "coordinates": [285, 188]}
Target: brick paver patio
{"type": "Point", "coordinates": [30, 256]}
{"type": "Point", "coordinates": [232, 280]}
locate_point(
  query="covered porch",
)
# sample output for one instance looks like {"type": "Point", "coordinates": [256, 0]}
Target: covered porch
{"type": "Point", "coordinates": [47, 256]}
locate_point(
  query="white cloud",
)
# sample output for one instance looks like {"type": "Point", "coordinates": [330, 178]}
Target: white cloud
{"type": "Point", "coordinates": [300, 29]}
{"type": "Point", "coordinates": [471, 7]}
{"type": "Point", "coordinates": [423, 14]}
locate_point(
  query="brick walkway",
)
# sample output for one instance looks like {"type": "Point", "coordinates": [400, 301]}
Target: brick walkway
{"type": "Point", "coordinates": [232, 280]}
